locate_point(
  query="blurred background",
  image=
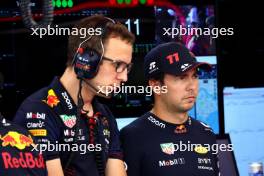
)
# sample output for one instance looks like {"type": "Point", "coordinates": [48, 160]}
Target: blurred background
{"type": "Point", "coordinates": [231, 98]}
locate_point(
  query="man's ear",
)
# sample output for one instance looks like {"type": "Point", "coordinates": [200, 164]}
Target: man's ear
{"type": "Point", "coordinates": [154, 83]}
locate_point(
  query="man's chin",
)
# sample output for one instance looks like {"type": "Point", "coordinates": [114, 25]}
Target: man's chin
{"type": "Point", "coordinates": [188, 107]}
{"type": "Point", "coordinates": [104, 91]}
{"type": "Point", "coordinates": [105, 95]}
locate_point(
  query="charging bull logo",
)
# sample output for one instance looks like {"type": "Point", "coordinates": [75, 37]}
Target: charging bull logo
{"type": "Point", "coordinates": [52, 99]}
{"type": "Point", "coordinates": [17, 140]}
{"type": "Point", "coordinates": [82, 66]}
{"type": "Point", "coordinates": [180, 129]}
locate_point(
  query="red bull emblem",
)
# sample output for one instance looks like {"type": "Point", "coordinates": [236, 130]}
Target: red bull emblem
{"type": "Point", "coordinates": [24, 160]}
{"type": "Point", "coordinates": [17, 140]}
{"type": "Point", "coordinates": [83, 66]}
{"type": "Point", "coordinates": [180, 129]}
{"type": "Point", "coordinates": [52, 99]}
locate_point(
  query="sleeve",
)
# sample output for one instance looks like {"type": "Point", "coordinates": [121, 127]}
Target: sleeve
{"type": "Point", "coordinates": [115, 150]}
{"type": "Point", "coordinates": [39, 120]}
{"type": "Point", "coordinates": [131, 152]}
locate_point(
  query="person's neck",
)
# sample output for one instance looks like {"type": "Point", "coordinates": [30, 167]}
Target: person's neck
{"type": "Point", "coordinates": [71, 84]}
{"type": "Point", "coordinates": [162, 112]}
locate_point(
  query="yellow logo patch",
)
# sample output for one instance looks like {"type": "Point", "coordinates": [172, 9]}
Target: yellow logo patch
{"type": "Point", "coordinates": [200, 150]}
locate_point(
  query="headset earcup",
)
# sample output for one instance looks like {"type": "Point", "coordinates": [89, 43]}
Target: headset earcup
{"type": "Point", "coordinates": [86, 64]}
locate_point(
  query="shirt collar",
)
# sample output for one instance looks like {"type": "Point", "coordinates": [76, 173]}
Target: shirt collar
{"type": "Point", "coordinates": [67, 101]}
{"type": "Point", "coordinates": [175, 128]}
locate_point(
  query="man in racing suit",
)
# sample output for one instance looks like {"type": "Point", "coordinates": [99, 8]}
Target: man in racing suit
{"type": "Point", "coordinates": [166, 141]}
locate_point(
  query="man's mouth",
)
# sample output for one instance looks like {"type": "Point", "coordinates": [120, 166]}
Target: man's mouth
{"type": "Point", "coordinates": [190, 98]}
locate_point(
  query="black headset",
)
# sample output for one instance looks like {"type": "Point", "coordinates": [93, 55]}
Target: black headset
{"type": "Point", "coordinates": [86, 61]}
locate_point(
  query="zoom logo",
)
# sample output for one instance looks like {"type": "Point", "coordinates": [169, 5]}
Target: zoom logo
{"type": "Point", "coordinates": [67, 100]}
{"type": "Point", "coordinates": [156, 122]}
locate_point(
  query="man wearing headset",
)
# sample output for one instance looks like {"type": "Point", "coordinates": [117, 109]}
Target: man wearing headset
{"type": "Point", "coordinates": [67, 112]}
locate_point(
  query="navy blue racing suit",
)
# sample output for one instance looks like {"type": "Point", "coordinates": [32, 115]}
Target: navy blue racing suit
{"type": "Point", "coordinates": [153, 147]}
{"type": "Point", "coordinates": [17, 153]}
{"type": "Point", "coordinates": [51, 116]}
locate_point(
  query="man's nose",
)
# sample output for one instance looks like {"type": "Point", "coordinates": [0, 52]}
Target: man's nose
{"type": "Point", "coordinates": [122, 76]}
{"type": "Point", "coordinates": [192, 84]}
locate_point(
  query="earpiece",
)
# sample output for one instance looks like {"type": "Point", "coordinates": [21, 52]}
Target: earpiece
{"type": "Point", "coordinates": [86, 61]}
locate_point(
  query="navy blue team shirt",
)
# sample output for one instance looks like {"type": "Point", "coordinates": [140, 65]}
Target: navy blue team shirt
{"type": "Point", "coordinates": [17, 154]}
{"type": "Point", "coordinates": [152, 148]}
{"type": "Point", "coordinates": [50, 116]}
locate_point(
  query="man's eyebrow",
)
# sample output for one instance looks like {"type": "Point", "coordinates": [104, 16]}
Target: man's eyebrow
{"type": "Point", "coordinates": [184, 74]}
{"type": "Point", "coordinates": [196, 72]}
{"type": "Point", "coordinates": [118, 60]}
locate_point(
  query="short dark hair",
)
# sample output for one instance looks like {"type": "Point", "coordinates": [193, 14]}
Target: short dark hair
{"type": "Point", "coordinates": [159, 77]}
{"type": "Point", "coordinates": [116, 29]}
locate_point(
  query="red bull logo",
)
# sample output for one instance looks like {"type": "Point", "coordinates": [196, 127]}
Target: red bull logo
{"type": "Point", "coordinates": [52, 99]}
{"type": "Point", "coordinates": [83, 66]}
{"type": "Point", "coordinates": [24, 140]}
{"type": "Point", "coordinates": [24, 160]}
{"type": "Point", "coordinates": [17, 140]}
{"type": "Point", "coordinates": [180, 129]}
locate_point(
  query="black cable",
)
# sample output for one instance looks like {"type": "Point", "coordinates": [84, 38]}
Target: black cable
{"type": "Point", "coordinates": [93, 134]}
{"type": "Point", "coordinates": [27, 15]}
{"type": "Point", "coordinates": [1, 117]}
{"type": "Point", "coordinates": [94, 139]}
{"type": "Point", "coordinates": [80, 104]}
